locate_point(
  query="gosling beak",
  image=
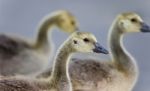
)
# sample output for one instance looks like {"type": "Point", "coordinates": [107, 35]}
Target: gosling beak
{"type": "Point", "coordinates": [145, 27]}
{"type": "Point", "coordinates": [77, 29]}
{"type": "Point", "coordinates": [100, 49]}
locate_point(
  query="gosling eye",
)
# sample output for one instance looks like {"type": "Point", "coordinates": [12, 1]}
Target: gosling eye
{"type": "Point", "coordinates": [134, 20]}
{"type": "Point", "coordinates": [86, 40]}
{"type": "Point", "coordinates": [72, 23]}
{"type": "Point", "coordinates": [75, 42]}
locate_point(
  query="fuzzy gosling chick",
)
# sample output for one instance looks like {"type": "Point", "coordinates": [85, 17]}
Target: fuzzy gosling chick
{"type": "Point", "coordinates": [59, 80]}
{"type": "Point", "coordinates": [118, 74]}
{"type": "Point", "coordinates": [19, 56]}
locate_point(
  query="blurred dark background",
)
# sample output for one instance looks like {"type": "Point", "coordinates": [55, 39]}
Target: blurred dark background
{"type": "Point", "coordinates": [22, 17]}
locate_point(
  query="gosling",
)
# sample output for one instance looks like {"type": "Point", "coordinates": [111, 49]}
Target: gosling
{"type": "Point", "coordinates": [19, 56]}
{"type": "Point", "coordinates": [59, 80]}
{"type": "Point", "coordinates": [118, 74]}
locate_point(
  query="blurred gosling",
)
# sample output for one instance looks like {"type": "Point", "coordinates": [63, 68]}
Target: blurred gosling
{"type": "Point", "coordinates": [18, 56]}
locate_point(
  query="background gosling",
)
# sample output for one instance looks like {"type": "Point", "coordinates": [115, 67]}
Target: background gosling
{"type": "Point", "coordinates": [18, 56]}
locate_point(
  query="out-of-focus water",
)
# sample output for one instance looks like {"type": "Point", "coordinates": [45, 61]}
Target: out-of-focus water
{"type": "Point", "coordinates": [96, 16]}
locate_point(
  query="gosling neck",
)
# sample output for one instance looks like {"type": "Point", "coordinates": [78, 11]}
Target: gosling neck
{"type": "Point", "coordinates": [42, 37]}
{"type": "Point", "coordinates": [60, 67]}
{"type": "Point", "coordinates": [121, 58]}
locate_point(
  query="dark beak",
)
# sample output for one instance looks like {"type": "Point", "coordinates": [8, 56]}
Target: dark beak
{"type": "Point", "coordinates": [99, 49]}
{"type": "Point", "coordinates": [77, 29]}
{"type": "Point", "coordinates": [145, 27]}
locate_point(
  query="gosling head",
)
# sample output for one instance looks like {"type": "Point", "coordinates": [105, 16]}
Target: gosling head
{"type": "Point", "coordinates": [131, 22]}
{"type": "Point", "coordinates": [65, 21]}
{"type": "Point", "coordinates": [85, 42]}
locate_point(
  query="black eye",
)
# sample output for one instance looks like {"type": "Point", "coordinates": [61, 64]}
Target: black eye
{"type": "Point", "coordinates": [72, 23]}
{"type": "Point", "coordinates": [75, 42]}
{"type": "Point", "coordinates": [86, 40]}
{"type": "Point", "coordinates": [133, 20]}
